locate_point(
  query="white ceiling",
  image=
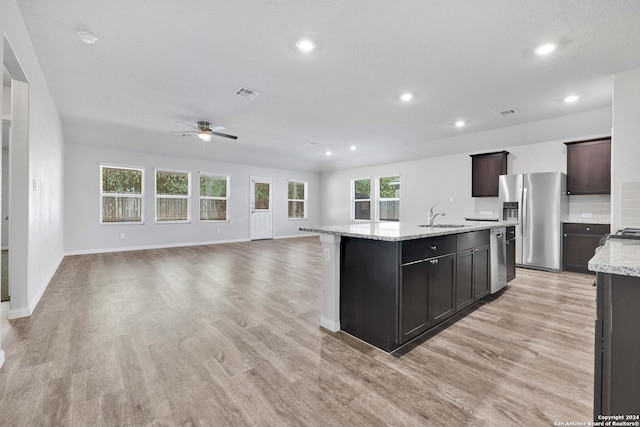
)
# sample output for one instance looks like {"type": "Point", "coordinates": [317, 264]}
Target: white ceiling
{"type": "Point", "coordinates": [160, 61]}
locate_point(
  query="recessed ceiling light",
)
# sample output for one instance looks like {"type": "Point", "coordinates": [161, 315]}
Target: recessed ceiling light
{"type": "Point", "coordinates": [571, 99]}
{"type": "Point", "coordinates": [86, 37]}
{"type": "Point", "coordinates": [328, 153]}
{"type": "Point", "coordinates": [353, 148]}
{"type": "Point", "coordinates": [545, 49]}
{"type": "Point", "coordinates": [305, 45]}
{"type": "Point", "coordinates": [406, 97]}
{"type": "Point", "coordinates": [460, 123]}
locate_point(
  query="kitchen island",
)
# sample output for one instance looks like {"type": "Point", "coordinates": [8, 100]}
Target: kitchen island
{"type": "Point", "coordinates": [617, 343]}
{"type": "Point", "coordinates": [390, 283]}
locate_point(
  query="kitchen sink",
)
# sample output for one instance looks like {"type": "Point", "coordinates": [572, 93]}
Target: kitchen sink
{"type": "Point", "coordinates": [444, 225]}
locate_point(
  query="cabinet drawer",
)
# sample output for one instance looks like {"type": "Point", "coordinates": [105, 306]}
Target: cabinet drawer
{"type": "Point", "coordinates": [472, 239]}
{"type": "Point", "coordinates": [415, 250]}
{"type": "Point", "coordinates": [591, 229]}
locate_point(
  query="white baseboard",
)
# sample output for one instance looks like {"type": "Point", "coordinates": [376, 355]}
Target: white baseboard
{"type": "Point", "coordinates": [16, 313]}
{"type": "Point", "coordinates": [1, 358]}
{"type": "Point", "coordinates": [293, 236]}
{"type": "Point", "coordinates": [146, 247]}
{"type": "Point", "coordinates": [329, 325]}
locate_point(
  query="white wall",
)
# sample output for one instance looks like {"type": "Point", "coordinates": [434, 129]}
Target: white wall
{"type": "Point", "coordinates": [447, 180]}
{"type": "Point", "coordinates": [84, 234]}
{"type": "Point", "coordinates": [41, 160]}
{"type": "Point", "coordinates": [625, 148]}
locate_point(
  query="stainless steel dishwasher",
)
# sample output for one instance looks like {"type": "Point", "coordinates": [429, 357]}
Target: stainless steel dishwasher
{"type": "Point", "coordinates": [498, 256]}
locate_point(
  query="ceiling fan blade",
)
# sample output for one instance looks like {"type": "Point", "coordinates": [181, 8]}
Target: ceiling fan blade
{"type": "Point", "coordinates": [224, 135]}
{"type": "Point", "coordinates": [217, 128]}
{"type": "Point", "coordinates": [186, 124]}
{"type": "Point", "coordinates": [184, 131]}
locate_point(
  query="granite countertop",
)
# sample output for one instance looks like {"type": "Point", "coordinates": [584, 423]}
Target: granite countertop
{"type": "Point", "coordinates": [617, 256]}
{"type": "Point", "coordinates": [398, 231]}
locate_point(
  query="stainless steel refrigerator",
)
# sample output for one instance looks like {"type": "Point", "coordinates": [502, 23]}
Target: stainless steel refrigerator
{"type": "Point", "coordinates": [539, 202]}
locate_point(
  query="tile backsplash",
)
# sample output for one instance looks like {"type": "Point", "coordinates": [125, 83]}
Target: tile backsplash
{"type": "Point", "coordinates": [596, 208]}
{"type": "Point", "coordinates": [630, 204]}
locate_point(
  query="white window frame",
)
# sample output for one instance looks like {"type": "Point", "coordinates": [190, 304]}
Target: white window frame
{"type": "Point", "coordinates": [163, 196]}
{"type": "Point", "coordinates": [219, 176]}
{"type": "Point", "coordinates": [354, 200]}
{"type": "Point", "coordinates": [379, 199]}
{"type": "Point", "coordinates": [140, 196]}
{"type": "Point", "coordinates": [304, 201]}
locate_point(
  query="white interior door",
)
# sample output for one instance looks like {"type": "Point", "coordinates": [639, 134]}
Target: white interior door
{"type": "Point", "coordinates": [261, 209]}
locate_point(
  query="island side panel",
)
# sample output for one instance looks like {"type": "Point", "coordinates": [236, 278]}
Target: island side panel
{"type": "Point", "coordinates": [368, 290]}
{"type": "Point", "coordinates": [330, 316]}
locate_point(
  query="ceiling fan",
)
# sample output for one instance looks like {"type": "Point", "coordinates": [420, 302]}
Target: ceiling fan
{"type": "Point", "coordinates": [204, 130]}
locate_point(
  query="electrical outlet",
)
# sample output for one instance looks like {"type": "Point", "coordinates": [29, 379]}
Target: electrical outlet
{"type": "Point", "coordinates": [218, 231]}
{"type": "Point", "coordinates": [122, 235]}
{"type": "Point", "coordinates": [327, 254]}
{"type": "Point", "coordinates": [587, 215]}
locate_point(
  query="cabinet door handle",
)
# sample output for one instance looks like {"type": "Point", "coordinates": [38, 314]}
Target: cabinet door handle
{"type": "Point", "coordinates": [433, 248]}
{"type": "Point", "coordinates": [588, 228]}
{"type": "Point", "coordinates": [565, 235]}
{"type": "Point", "coordinates": [594, 284]}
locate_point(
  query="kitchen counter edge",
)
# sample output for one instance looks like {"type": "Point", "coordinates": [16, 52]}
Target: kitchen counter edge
{"type": "Point", "coordinates": [617, 256]}
{"type": "Point", "coordinates": [402, 231]}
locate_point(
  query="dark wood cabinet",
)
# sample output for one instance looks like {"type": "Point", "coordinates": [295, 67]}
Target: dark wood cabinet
{"type": "Point", "coordinates": [481, 272]}
{"type": "Point", "coordinates": [414, 294]}
{"type": "Point", "coordinates": [472, 268]}
{"type": "Point", "coordinates": [589, 167]}
{"type": "Point", "coordinates": [617, 346]}
{"type": "Point", "coordinates": [511, 253]}
{"type": "Point", "coordinates": [464, 282]}
{"type": "Point", "coordinates": [441, 281]}
{"type": "Point", "coordinates": [394, 292]}
{"type": "Point", "coordinates": [485, 170]}
{"type": "Point", "coordinates": [579, 242]}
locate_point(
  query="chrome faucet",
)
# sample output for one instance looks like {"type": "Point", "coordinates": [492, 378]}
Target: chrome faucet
{"type": "Point", "coordinates": [433, 216]}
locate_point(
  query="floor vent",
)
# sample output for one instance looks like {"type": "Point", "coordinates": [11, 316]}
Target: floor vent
{"type": "Point", "coordinates": [507, 112]}
{"type": "Point", "coordinates": [247, 93]}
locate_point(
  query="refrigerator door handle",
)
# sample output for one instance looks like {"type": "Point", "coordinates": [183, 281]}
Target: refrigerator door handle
{"type": "Point", "coordinates": [524, 212]}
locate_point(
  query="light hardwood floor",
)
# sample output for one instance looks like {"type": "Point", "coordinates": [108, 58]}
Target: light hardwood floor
{"type": "Point", "coordinates": [228, 335]}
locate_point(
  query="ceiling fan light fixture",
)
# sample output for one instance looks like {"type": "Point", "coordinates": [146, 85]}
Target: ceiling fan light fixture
{"type": "Point", "coordinates": [204, 136]}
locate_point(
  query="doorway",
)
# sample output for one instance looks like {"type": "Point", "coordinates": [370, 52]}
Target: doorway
{"type": "Point", "coordinates": [261, 208]}
{"type": "Point", "coordinates": [4, 213]}
{"type": "Point", "coordinates": [16, 103]}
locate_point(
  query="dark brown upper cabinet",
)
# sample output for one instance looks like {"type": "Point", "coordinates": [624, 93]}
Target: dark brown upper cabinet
{"type": "Point", "coordinates": [589, 166]}
{"type": "Point", "coordinates": [485, 170]}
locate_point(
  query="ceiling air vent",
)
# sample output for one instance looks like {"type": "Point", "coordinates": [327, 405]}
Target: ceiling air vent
{"type": "Point", "coordinates": [508, 112]}
{"type": "Point", "coordinates": [247, 93]}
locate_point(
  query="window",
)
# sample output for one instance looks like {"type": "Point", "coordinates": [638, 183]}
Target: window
{"type": "Point", "coordinates": [381, 203]}
{"type": "Point", "coordinates": [173, 196]}
{"type": "Point", "coordinates": [214, 196]}
{"type": "Point", "coordinates": [389, 198]}
{"type": "Point", "coordinates": [361, 197]}
{"type": "Point", "coordinates": [122, 193]}
{"type": "Point", "coordinates": [297, 200]}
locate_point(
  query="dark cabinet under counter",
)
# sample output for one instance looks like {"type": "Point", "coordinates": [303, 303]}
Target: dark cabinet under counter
{"type": "Point", "coordinates": [617, 346]}
{"type": "Point", "coordinates": [393, 292]}
{"type": "Point", "coordinates": [579, 243]}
